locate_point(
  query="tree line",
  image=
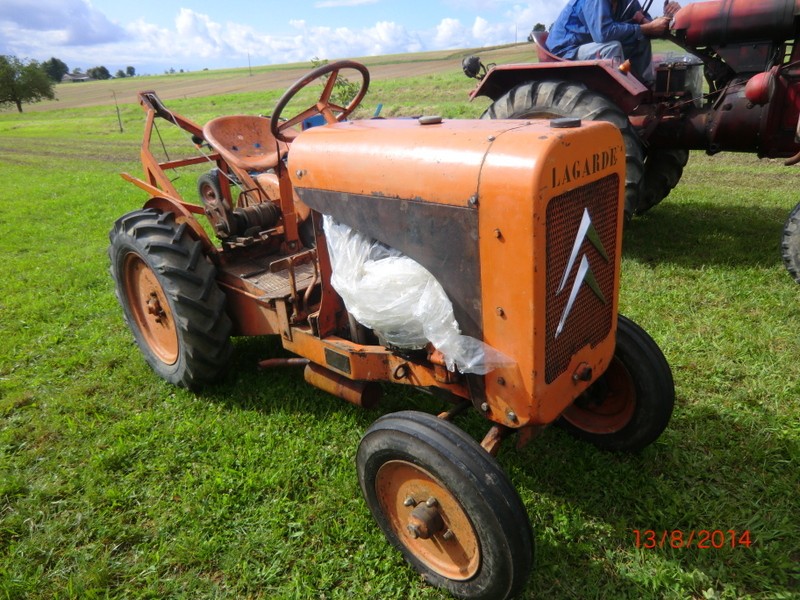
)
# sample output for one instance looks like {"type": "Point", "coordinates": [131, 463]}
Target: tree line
{"type": "Point", "coordinates": [28, 81]}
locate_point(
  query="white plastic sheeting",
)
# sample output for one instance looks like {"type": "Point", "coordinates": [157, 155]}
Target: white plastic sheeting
{"type": "Point", "coordinates": [401, 301]}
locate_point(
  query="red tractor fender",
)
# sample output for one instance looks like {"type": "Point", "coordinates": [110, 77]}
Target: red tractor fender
{"type": "Point", "coordinates": [601, 76]}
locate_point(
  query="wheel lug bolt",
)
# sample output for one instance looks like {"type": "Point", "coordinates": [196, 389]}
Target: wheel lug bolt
{"type": "Point", "coordinates": [409, 502]}
{"type": "Point", "coordinates": [413, 531]}
{"type": "Point", "coordinates": [431, 502]}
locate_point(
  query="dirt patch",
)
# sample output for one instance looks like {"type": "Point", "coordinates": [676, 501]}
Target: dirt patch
{"type": "Point", "coordinates": [207, 83]}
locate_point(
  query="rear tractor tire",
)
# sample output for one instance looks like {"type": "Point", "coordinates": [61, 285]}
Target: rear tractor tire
{"type": "Point", "coordinates": [169, 296]}
{"type": "Point", "coordinates": [630, 405]}
{"type": "Point", "coordinates": [553, 99]}
{"type": "Point", "coordinates": [790, 244]}
{"type": "Point", "coordinates": [662, 172]}
{"type": "Point", "coordinates": [444, 502]}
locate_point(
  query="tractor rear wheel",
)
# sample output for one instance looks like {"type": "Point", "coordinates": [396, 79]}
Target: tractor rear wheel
{"type": "Point", "coordinates": [662, 172]}
{"type": "Point", "coordinates": [551, 99]}
{"type": "Point", "coordinates": [790, 244]}
{"type": "Point", "coordinates": [630, 405]}
{"type": "Point", "coordinates": [446, 504]}
{"type": "Point", "coordinates": [170, 298]}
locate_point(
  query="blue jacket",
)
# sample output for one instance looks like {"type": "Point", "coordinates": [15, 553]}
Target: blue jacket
{"type": "Point", "coordinates": [586, 21]}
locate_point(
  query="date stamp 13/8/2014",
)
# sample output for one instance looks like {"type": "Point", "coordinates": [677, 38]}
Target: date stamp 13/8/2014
{"type": "Point", "coordinates": [703, 539]}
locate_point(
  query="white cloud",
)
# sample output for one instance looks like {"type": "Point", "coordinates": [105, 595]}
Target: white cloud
{"type": "Point", "coordinates": [449, 33]}
{"type": "Point", "coordinates": [58, 22]}
{"type": "Point", "coordinates": [339, 3]}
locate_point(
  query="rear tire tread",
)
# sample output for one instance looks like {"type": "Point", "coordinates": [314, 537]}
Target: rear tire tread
{"type": "Point", "coordinates": [188, 280]}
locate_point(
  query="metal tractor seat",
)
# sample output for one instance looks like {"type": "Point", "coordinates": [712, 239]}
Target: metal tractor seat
{"type": "Point", "coordinates": [245, 142]}
{"type": "Point", "coordinates": [544, 55]}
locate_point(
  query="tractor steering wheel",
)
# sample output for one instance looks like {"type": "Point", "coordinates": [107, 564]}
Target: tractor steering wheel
{"type": "Point", "coordinates": [281, 129]}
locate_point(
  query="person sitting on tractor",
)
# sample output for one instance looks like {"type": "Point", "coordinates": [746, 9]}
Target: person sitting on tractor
{"type": "Point", "coordinates": [609, 29]}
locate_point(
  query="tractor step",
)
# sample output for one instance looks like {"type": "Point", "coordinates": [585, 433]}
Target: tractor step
{"type": "Point", "coordinates": [279, 284]}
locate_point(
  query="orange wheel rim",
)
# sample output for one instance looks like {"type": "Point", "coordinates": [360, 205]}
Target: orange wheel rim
{"type": "Point", "coordinates": [451, 547]}
{"type": "Point", "coordinates": [150, 309]}
{"type": "Point", "coordinates": [609, 408]}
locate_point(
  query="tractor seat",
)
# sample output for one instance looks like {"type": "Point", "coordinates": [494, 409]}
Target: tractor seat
{"type": "Point", "coordinates": [544, 55]}
{"type": "Point", "coordinates": [245, 142]}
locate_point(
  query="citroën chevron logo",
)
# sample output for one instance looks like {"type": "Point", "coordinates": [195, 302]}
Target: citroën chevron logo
{"type": "Point", "coordinates": [585, 275]}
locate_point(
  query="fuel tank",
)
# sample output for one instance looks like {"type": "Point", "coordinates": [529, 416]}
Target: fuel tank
{"type": "Point", "coordinates": [722, 22]}
{"type": "Point", "coordinates": [519, 221]}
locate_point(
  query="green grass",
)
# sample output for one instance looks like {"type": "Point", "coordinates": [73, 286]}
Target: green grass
{"type": "Point", "coordinates": [115, 484]}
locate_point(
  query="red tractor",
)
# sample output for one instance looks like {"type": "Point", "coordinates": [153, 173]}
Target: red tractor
{"type": "Point", "coordinates": [437, 254]}
{"type": "Point", "coordinates": [737, 89]}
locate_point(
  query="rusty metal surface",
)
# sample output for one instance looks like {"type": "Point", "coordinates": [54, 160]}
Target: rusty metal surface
{"type": "Point", "coordinates": [494, 439]}
{"type": "Point", "coordinates": [245, 142]}
{"type": "Point", "coordinates": [624, 89]}
{"type": "Point", "coordinates": [275, 363]}
{"type": "Point", "coordinates": [366, 394]}
{"type": "Point", "coordinates": [736, 21]}
{"type": "Point", "coordinates": [396, 158]}
{"type": "Point", "coordinates": [279, 284]}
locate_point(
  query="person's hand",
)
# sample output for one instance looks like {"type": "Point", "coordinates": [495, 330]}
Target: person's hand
{"type": "Point", "coordinates": [657, 27]}
{"type": "Point", "coordinates": [670, 8]}
{"type": "Point", "coordinates": [639, 18]}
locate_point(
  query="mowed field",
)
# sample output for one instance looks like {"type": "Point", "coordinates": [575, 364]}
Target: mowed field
{"type": "Point", "coordinates": [233, 81]}
{"type": "Point", "coordinates": [114, 484]}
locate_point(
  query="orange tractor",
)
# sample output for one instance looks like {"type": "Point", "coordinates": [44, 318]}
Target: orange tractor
{"type": "Point", "coordinates": [476, 259]}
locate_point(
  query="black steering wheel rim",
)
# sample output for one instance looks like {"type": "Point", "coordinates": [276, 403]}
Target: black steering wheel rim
{"type": "Point", "coordinates": [323, 106]}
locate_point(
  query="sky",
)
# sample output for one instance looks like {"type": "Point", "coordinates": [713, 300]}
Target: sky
{"type": "Point", "coordinates": [154, 36]}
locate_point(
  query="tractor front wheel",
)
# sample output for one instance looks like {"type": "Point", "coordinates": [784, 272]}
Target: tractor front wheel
{"type": "Point", "coordinates": [444, 502]}
{"type": "Point", "coordinates": [169, 297]}
{"type": "Point", "coordinates": [630, 405]}
{"type": "Point", "coordinates": [551, 99]}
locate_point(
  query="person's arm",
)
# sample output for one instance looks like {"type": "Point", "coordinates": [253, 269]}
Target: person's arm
{"type": "Point", "coordinates": [603, 28]}
{"type": "Point", "coordinates": [658, 27]}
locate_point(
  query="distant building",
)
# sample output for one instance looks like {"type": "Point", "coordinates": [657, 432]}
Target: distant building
{"type": "Point", "coordinates": [76, 77]}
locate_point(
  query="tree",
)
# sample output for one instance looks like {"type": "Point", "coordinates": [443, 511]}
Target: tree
{"type": "Point", "coordinates": [98, 73]}
{"type": "Point", "coordinates": [130, 71]}
{"type": "Point", "coordinates": [55, 68]}
{"type": "Point", "coordinates": [120, 74]}
{"type": "Point", "coordinates": [23, 82]}
{"type": "Point", "coordinates": [344, 90]}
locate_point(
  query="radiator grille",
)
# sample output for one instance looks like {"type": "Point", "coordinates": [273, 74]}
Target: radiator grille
{"type": "Point", "coordinates": [574, 262]}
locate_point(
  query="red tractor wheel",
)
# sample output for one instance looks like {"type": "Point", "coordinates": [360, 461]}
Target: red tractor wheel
{"type": "Point", "coordinates": [170, 298]}
{"type": "Point", "coordinates": [662, 172]}
{"type": "Point", "coordinates": [631, 404]}
{"type": "Point", "coordinates": [444, 502]}
{"type": "Point", "coordinates": [790, 244]}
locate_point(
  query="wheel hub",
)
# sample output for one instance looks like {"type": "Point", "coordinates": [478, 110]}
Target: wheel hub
{"type": "Point", "coordinates": [437, 529]}
{"type": "Point", "coordinates": [425, 520]}
{"type": "Point", "coordinates": [150, 309]}
{"type": "Point", "coordinates": [154, 308]}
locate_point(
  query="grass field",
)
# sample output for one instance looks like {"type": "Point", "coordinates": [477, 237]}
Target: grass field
{"type": "Point", "coordinates": [114, 484]}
